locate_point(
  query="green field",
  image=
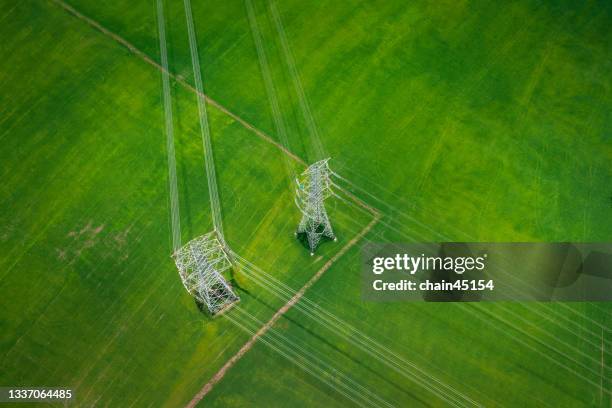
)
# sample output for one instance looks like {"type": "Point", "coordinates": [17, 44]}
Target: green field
{"type": "Point", "coordinates": [456, 120]}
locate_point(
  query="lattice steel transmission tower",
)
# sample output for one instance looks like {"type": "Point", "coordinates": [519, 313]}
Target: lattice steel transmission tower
{"type": "Point", "coordinates": [313, 187]}
{"type": "Point", "coordinates": [202, 260]}
{"type": "Point", "coordinates": [200, 263]}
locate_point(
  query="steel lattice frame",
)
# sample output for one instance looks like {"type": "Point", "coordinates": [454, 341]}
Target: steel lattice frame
{"type": "Point", "coordinates": [313, 187]}
{"type": "Point", "coordinates": [200, 263]}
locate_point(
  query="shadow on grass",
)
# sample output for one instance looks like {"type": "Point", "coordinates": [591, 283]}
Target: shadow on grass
{"type": "Point", "coordinates": [302, 238]}
{"type": "Point", "coordinates": [204, 309]}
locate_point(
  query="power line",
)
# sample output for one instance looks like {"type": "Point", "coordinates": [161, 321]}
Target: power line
{"type": "Point", "coordinates": [319, 150]}
{"type": "Point", "coordinates": [310, 363]}
{"type": "Point", "coordinates": [376, 350]}
{"type": "Point", "coordinates": [169, 126]}
{"type": "Point", "coordinates": [204, 128]}
{"type": "Point", "coordinates": [279, 122]}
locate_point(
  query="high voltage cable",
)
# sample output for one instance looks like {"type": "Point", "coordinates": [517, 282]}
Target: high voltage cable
{"type": "Point", "coordinates": [326, 369]}
{"type": "Point", "coordinates": [354, 336]}
{"type": "Point", "coordinates": [548, 333]}
{"type": "Point", "coordinates": [279, 122]}
{"type": "Point", "coordinates": [319, 151]}
{"type": "Point", "coordinates": [202, 260]}
{"type": "Point", "coordinates": [529, 346]}
{"type": "Point", "coordinates": [445, 238]}
{"type": "Point", "coordinates": [376, 354]}
{"type": "Point", "coordinates": [204, 128]}
{"type": "Point", "coordinates": [312, 184]}
{"type": "Point", "coordinates": [544, 315]}
{"type": "Point", "coordinates": [533, 310]}
{"type": "Point", "coordinates": [274, 346]}
{"type": "Point", "coordinates": [561, 353]}
{"type": "Point", "coordinates": [215, 205]}
{"type": "Point", "coordinates": [167, 102]}
{"type": "Point", "coordinates": [201, 109]}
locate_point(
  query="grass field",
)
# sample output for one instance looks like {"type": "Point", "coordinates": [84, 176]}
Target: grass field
{"type": "Point", "coordinates": [457, 121]}
{"type": "Point", "coordinates": [91, 294]}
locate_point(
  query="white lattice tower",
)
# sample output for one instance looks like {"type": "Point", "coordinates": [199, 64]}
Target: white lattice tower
{"type": "Point", "coordinates": [200, 263]}
{"type": "Point", "coordinates": [313, 187]}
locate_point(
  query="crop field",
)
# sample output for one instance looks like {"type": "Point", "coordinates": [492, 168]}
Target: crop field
{"type": "Point", "coordinates": [451, 121]}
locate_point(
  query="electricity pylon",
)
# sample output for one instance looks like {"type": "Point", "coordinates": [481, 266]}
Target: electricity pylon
{"type": "Point", "coordinates": [313, 187]}
{"type": "Point", "coordinates": [200, 263]}
{"type": "Point", "coordinates": [202, 260]}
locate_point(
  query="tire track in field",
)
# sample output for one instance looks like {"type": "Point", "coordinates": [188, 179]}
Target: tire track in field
{"type": "Point", "coordinates": [279, 313]}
